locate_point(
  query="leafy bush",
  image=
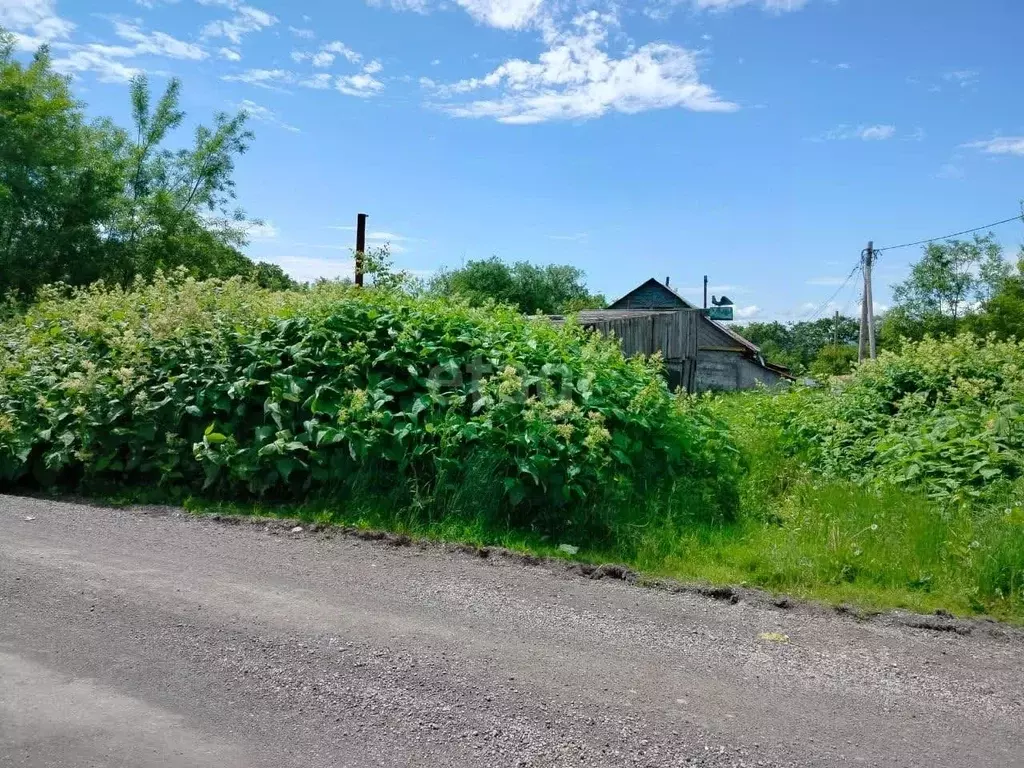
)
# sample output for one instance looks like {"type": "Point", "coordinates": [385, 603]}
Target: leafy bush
{"type": "Point", "coordinates": [228, 389]}
{"type": "Point", "coordinates": [945, 414]}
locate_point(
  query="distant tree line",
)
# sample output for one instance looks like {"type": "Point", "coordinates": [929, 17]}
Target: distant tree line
{"type": "Point", "coordinates": [87, 200]}
{"type": "Point", "coordinates": [548, 290]}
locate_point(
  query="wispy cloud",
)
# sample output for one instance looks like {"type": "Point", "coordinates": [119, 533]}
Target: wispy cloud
{"type": "Point", "coordinates": [246, 19]}
{"type": "Point", "coordinates": [396, 243]}
{"type": "Point", "coordinates": [157, 43]}
{"type": "Point", "coordinates": [962, 77]}
{"type": "Point", "coordinates": [264, 114]}
{"type": "Point", "coordinates": [826, 281]}
{"type": "Point", "coordinates": [863, 132]}
{"type": "Point", "coordinates": [325, 56]}
{"type": "Point", "coordinates": [502, 14]}
{"type": "Point", "coordinates": [262, 231]}
{"type": "Point", "coordinates": [307, 269]}
{"type": "Point", "coordinates": [573, 238]}
{"type": "Point", "coordinates": [747, 313]}
{"type": "Point", "coordinates": [34, 22]}
{"type": "Point", "coordinates": [950, 171]}
{"type": "Point", "coordinates": [577, 79]}
{"type": "Point", "coordinates": [662, 9]}
{"type": "Point", "coordinates": [108, 62]}
{"type": "Point", "coordinates": [107, 68]}
{"type": "Point", "coordinates": [1001, 145]}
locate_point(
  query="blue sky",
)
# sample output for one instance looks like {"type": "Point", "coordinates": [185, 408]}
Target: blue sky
{"type": "Point", "coordinates": [762, 142]}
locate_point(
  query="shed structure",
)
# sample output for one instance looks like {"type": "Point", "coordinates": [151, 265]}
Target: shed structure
{"type": "Point", "coordinates": [724, 359]}
{"type": "Point", "coordinates": [672, 332]}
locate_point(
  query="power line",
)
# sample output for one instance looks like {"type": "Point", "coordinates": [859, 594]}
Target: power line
{"type": "Point", "coordinates": [1019, 217]}
{"type": "Point", "coordinates": [811, 317]}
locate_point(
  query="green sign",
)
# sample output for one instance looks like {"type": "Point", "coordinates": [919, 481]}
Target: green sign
{"type": "Point", "coordinates": [720, 313]}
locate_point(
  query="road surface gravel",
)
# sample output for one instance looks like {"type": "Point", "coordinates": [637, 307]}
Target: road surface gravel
{"type": "Point", "coordinates": [148, 637]}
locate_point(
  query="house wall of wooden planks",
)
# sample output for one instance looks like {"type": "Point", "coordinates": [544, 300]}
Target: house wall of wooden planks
{"type": "Point", "coordinates": [673, 333]}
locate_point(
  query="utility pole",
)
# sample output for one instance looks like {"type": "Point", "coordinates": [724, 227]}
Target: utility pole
{"type": "Point", "coordinates": [705, 291]}
{"type": "Point", "coordinates": [869, 259]}
{"type": "Point", "coordinates": [360, 247]}
{"type": "Point", "coordinates": [867, 346]}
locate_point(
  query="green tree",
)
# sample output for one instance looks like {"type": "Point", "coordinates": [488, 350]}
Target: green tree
{"type": "Point", "coordinates": [175, 210]}
{"type": "Point", "coordinates": [944, 287]}
{"type": "Point", "coordinates": [798, 345]}
{"type": "Point", "coordinates": [551, 289]}
{"type": "Point", "coordinates": [81, 202]}
{"type": "Point", "coordinates": [59, 179]}
{"type": "Point", "coordinates": [1002, 313]}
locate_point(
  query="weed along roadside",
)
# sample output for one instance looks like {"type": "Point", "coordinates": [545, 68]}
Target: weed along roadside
{"type": "Point", "coordinates": [898, 487]}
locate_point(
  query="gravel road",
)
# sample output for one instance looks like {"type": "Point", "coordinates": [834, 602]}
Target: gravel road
{"type": "Point", "coordinates": [150, 638]}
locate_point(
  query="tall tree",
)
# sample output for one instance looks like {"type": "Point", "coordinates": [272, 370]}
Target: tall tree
{"type": "Point", "coordinates": [81, 201]}
{"type": "Point", "coordinates": [175, 209]}
{"type": "Point", "coordinates": [59, 179]}
{"type": "Point", "coordinates": [944, 287]}
{"type": "Point", "coordinates": [1002, 313]}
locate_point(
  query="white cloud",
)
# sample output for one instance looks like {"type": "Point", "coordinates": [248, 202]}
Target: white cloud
{"type": "Point", "coordinates": [577, 79]}
{"type": "Point", "coordinates": [158, 43]}
{"type": "Point", "coordinates": [33, 22]}
{"type": "Point", "coordinates": [263, 78]}
{"type": "Point", "coordinates": [962, 77]}
{"type": "Point", "coordinates": [107, 68]}
{"type": "Point", "coordinates": [373, 67]}
{"type": "Point", "coordinates": [155, 3]}
{"type": "Point", "coordinates": [229, 54]}
{"type": "Point", "coordinates": [747, 313]}
{"type": "Point", "coordinates": [363, 85]}
{"type": "Point", "coordinates": [1003, 145]}
{"type": "Point", "coordinates": [307, 34]}
{"type": "Point", "coordinates": [341, 49]}
{"type": "Point", "coordinates": [264, 114]}
{"type": "Point", "coordinates": [419, 6]}
{"type": "Point", "coordinates": [876, 132]}
{"type": "Point", "coordinates": [322, 59]}
{"type": "Point", "coordinates": [863, 132]}
{"type": "Point", "coordinates": [320, 81]}
{"type": "Point", "coordinates": [327, 54]}
{"type": "Point", "coordinates": [106, 60]}
{"type": "Point", "coordinates": [263, 231]}
{"type": "Point", "coordinates": [245, 20]}
{"type": "Point", "coordinates": [662, 9]}
{"type": "Point", "coordinates": [503, 14]}
{"type": "Point", "coordinates": [308, 268]}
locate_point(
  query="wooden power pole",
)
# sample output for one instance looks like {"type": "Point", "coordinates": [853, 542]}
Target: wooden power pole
{"type": "Point", "coordinates": [360, 246]}
{"type": "Point", "coordinates": [868, 347]}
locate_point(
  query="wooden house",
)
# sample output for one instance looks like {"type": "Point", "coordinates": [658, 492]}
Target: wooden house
{"type": "Point", "coordinates": [724, 359]}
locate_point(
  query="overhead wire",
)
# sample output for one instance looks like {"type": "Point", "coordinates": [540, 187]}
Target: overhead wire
{"type": "Point", "coordinates": [816, 312]}
{"type": "Point", "coordinates": [1018, 217]}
